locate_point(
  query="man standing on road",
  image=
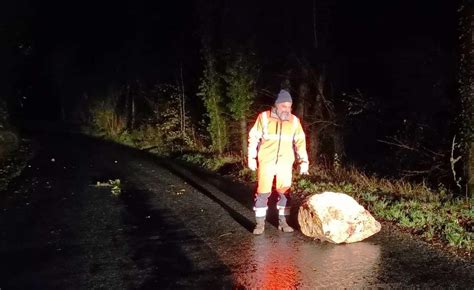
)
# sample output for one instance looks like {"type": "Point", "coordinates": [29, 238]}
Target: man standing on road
{"type": "Point", "coordinates": [274, 141]}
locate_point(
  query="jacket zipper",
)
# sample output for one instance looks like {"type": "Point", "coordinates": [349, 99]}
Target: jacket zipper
{"type": "Point", "coordinates": [279, 139]}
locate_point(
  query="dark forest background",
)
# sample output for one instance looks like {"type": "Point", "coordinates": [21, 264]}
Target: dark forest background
{"type": "Point", "coordinates": [375, 83]}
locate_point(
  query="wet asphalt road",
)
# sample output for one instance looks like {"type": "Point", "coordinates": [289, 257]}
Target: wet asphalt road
{"type": "Point", "coordinates": [175, 227]}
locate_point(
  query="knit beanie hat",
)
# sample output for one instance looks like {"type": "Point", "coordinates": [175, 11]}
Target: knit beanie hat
{"type": "Point", "coordinates": [283, 96]}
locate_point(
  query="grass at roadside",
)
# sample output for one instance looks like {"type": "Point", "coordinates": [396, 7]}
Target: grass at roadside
{"type": "Point", "coordinates": [432, 214]}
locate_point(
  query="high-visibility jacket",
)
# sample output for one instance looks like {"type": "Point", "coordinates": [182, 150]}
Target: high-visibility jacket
{"type": "Point", "coordinates": [277, 142]}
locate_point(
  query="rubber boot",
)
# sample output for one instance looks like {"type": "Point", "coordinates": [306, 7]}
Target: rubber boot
{"type": "Point", "coordinates": [282, 225]}
{"type": "Point", "coordinates": [260, 226]}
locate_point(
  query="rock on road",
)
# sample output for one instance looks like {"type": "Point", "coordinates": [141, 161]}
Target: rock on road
{"type": "Point", "coordinates": [174, 226]}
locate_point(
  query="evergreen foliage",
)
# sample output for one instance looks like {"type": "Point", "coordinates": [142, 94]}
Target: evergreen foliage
{"type": "Point", "coordinates": [210, 90]}
{"type": "Point", "coordinates": [240, 80]}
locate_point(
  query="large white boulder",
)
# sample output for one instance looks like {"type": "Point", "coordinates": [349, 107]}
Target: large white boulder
{"type": "Point", "coordinates": [337, 218]}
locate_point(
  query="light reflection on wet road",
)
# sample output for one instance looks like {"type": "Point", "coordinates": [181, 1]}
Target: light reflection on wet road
{"type": "Point", "coordinates": [281, 261]}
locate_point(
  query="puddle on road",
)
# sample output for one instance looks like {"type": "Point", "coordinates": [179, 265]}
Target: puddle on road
{"type": "Point", "coordinates": [283, 262]}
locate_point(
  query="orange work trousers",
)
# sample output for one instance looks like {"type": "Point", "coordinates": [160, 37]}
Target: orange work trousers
{"type": "Point", "coordinates": [269, 171]}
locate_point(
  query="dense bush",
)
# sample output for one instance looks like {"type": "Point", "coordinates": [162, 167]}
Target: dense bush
{"type": "Point", "coordinates": [106, 118]}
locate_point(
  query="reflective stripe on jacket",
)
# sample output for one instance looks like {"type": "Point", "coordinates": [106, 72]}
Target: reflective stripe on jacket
{"type": "Point", "coordinates": [272, 140]}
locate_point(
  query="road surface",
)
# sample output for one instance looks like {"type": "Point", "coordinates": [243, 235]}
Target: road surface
{"type": "Point", "coordinates": [177, 227]}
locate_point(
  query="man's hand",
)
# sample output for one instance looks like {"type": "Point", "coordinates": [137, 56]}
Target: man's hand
{"type": "Point", "coordinates": [252, 164]}
{"type": "Point", "coordinates": [304, 167]}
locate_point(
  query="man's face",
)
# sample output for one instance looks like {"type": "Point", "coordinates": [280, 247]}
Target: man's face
{"type": "Point", "coordinates": [283, 110]}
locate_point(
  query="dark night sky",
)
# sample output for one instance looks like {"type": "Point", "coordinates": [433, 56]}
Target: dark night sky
{"type": "Point", "coordinates": [384, 48]}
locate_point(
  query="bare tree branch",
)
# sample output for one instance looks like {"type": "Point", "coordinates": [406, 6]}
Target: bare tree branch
{"type": "Point", "coordinates": [425, 151]}
{"type": "Point", "coordinates": [453, 163]}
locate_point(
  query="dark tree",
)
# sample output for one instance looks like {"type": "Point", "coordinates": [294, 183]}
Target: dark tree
{"type": "Point", "coordinates": [466, 88]}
